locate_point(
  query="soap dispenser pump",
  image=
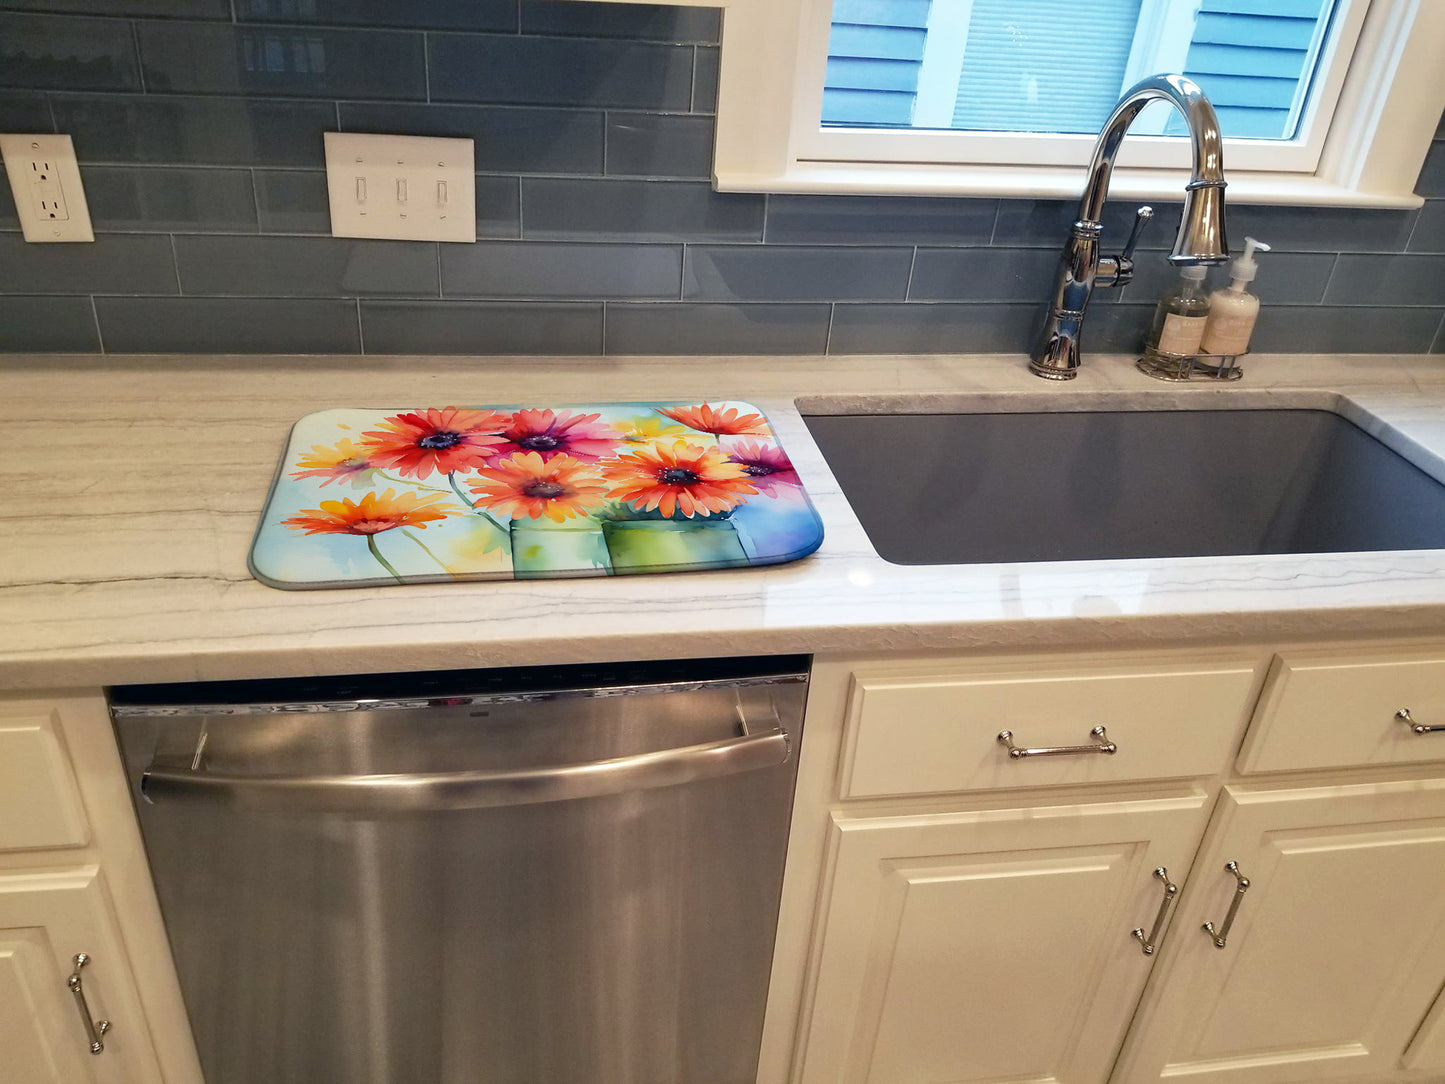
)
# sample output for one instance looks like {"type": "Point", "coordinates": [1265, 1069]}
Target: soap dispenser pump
{"type": "Point", "coordinates": [1234, 310]}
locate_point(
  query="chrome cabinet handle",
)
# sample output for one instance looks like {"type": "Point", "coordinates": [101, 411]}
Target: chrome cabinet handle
{"type": "Point", "coordinates": [1240, 889]}
{"type": "Point", "coordinates": [1171, 893]}
{"type": "Point", "coordinates": [93, 1028]}
{"type": "Point", "coordinates": [1102, 744]}
{"type": "Point", "coordinates": [1417, 728]}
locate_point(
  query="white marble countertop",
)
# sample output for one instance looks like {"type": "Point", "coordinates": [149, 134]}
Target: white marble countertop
{"type": "Point", "coordinates": [132, 487]}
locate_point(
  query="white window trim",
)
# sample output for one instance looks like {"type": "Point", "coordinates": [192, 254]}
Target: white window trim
{"type": "Point", "coordinates": [1389, 103]}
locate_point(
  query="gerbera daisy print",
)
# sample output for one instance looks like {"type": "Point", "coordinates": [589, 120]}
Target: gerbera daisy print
{"type": "Point", "coordinates": [529, 490]}
{"type": "Point", "coordinates": [526, 485]}
{"type": "Point", "coordinates": [557, 432]}
{"type": "Point", "coordinates": [445, 441]}
{"type": "Point", "coordinates": [766, 465]}
{"type": "Point", "coordinates": [727, 422]}
{"type": "Point", "coordinates": [682, 478]}
{"type": "Point", "coordinates": [343, 460]}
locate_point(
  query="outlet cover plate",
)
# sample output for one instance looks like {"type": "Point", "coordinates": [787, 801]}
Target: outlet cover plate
{"type": "Point", "coordinates": [410, 188]}
{"type": "Point", "coordinates": [45, 181]}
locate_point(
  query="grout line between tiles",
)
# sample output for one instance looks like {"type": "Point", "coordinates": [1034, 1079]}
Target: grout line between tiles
{"type": "Point", "coordinates": [360, 334]}
{"type": "Point", "coordinates": [440, 292]}
{"type": "Point", "coordinates": [140, 68]}
{"type": "Point", "coordinates": [176, 266]}
{"type": "Point", "coordinates": [50, 109]}
{"type": "Point", "coordinates": [912, 263]}
{"type": "Point", "coordinates": [95, 315]}
{"type": "Point", "coordinates": [604, 328]}
{"type": "Point", "coordinates": [426, 63]}
{"type": "Point", "coordinates": [828, 336]}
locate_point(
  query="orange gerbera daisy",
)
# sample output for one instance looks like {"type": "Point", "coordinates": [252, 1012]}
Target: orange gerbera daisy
{"type": "Point", "coordinates": [346, 459]}
{"type": "Point", "coordinates": [371, 515]}
{"type": "Point", "coordinates": [679, 477]}
{"type": "Point", "coordinates": [446, 440]}
{"type": "Point", "coordinates": [727, 422]}
{"type": "Point", "coordinates": [527, 484]}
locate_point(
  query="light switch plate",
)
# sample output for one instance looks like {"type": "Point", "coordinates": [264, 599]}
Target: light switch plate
{"type": "Point", "coordinates": [45, 181]}
{"type": "Point", "coordinates": [411, 188]}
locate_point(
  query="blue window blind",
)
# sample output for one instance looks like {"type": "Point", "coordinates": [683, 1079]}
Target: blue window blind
{"type": "Point", "coordinates": [1044, 65]}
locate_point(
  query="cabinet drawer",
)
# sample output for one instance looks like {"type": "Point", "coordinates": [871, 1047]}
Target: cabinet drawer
{"type": "Point", "coordinates": [935, 733]}
{"type": "Point", "coordinates": [1324, 711]}
{"type": "Point", "coordinates": [39, 802]}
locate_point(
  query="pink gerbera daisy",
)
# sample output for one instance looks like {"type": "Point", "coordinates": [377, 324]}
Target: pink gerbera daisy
{"type": "Point", "coordinates": [767, 466]}
{"type": "Point", "coordinates": [559, 432]}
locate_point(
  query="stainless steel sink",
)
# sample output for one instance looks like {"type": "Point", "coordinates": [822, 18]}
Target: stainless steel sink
{"type": "Point", "coordinates": [980, 488]}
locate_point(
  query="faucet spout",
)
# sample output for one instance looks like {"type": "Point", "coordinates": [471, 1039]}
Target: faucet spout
{"type": "Point", "coordinates": [1200, 240]}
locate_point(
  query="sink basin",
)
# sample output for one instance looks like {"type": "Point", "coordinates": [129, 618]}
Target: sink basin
{"type": "Point", "coordinates": [980, 488]}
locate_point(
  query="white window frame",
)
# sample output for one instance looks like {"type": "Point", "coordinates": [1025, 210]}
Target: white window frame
{"type": "Point", "coordinates": [1364, 138]}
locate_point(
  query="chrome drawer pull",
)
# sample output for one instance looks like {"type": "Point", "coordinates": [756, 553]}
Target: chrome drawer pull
{"type": "Point", "coordinates": [1417, 728]}
{"type": "Point", "coordinates": [95, 1029]}
{"type": "Point", "coordinates": [1171, 893]}
{"type": "Point", "coordinates": [1239, 891]}
{"type": "Point", "coordinates": [1102, 744]}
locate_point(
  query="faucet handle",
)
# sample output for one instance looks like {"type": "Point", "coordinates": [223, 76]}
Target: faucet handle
{"type": "Point", "coordinates": [1119, 270]}
{"type": "Point", "coordinates": [1141, 219]}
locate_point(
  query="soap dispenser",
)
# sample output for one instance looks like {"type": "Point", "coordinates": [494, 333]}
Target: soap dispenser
{"type": "Point", "coordinates": [1179, 321]}
{"type": "Point", "coordinates": [1233, 310]}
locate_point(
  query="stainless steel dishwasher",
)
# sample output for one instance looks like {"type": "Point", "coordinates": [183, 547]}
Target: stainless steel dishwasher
{"type": "Point", "coordinates": [564, 875]}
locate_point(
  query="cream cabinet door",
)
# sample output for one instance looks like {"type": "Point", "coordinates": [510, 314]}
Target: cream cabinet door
{"type": "Point", "coordinates": [46, 918]}
{"type": "Point", "coordinates": [1337, 951]}
{"type": "Point", "coordinates": [991, 945]}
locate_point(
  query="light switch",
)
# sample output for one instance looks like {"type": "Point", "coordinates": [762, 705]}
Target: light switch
{"type": "Point", "coordinates": [378, 187]}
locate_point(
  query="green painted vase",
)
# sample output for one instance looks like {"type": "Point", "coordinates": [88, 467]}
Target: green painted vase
{"type": "Point", "coordinates": [542, 549]}
{"type": "Point", "coordinates": [655, 545]}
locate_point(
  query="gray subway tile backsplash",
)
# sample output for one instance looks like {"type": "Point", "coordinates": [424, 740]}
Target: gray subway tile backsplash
{"type": "Point", "coordinates": [170, 130]}
{"type": "Point", "coordinates": [934, 328]}
{"type": "Point", "coordinates": [481, 327]}
{"type": "Point", "coordinates": [198, 126]}
{"type": "Point", "coordinates": [509, 139]}
{"type": "Point", "coordinates": [305, 267]}
{"type": "Point", "coordinates": [313, 62]}
{"type": "Point", "coordinates": [24, 111]}
{"type": "Point", "coordinates": [160, 199]}
{"type": "Point", "coordinates": [432, 15]}
{"type": "Point", "coordinates": [787, 273]}
{"type": "Point", "coordinates": [499, 68]}
{"type": "Point", "coordinates": [291, 201]}
{"type": "Point", "coordinates": [113, 264]}
{"type": "Point", "coordinates": [880, 220]}
{"type": "Point", "coordinates": [687, 328]}
{"type": "Point", "coordinates": [637, 210]}
{"type": "Point", "coordinates": [210, 325]}
{"type": "Point", "coordinates": [45, 325]}
{"type": "Point", "coordinates": [983, 274]}
{"type": "Point", "coordinates": [171, 9]}
{"type": "Point", "coordinates": [545, 269]}
{"type": "Point", "coordinates": [59, 51]}
{"type": "Point", "coordinates": [1387, 280]}
{"type": "Point", "coordinates": [643, 22]}
{"type": "Point", "coordinates": [648, 144]}
{"type": "Point", "coordinates": [1345, 330]}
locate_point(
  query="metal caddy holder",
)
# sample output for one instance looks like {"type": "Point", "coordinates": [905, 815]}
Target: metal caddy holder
{"type": "Point", "coordinates": [1178, 367]}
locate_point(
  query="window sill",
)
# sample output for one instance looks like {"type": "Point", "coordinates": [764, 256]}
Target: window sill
{"type": "Point", "coordinates": [1045, 182]}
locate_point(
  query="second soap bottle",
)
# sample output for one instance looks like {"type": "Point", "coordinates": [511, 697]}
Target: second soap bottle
{"type": "Point", "coordinates": [1179, 321]}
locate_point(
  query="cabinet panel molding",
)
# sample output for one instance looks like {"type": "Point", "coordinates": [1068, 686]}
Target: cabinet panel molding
{"type": "Point", "coordinates": [934, 733]}
{"type": "Point", "coordinates": [1337, 951]}
{"type": "Point", "coordinates": [39, 802]}
{"type": "Point", "coordinates": [1327, 710]}
{"type": "Point", "coordinates": [988, 945]}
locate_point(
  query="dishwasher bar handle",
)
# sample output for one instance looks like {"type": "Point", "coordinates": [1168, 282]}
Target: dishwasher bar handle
{"type": "Point", "coordinates": [167, 780]}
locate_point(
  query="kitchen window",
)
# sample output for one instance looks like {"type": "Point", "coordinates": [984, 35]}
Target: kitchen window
{"type": "Point", "coordinates": [1330, 102]}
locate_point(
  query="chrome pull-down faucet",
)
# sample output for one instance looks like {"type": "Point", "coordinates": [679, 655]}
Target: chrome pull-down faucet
{"type": "Point", "coordinates": [1201, 228]}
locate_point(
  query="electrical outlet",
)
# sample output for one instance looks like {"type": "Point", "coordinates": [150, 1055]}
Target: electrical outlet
{"type": "Point", "coordinates": [45, 182]}
{"type": "Point", "coordinates": [412, 188]}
